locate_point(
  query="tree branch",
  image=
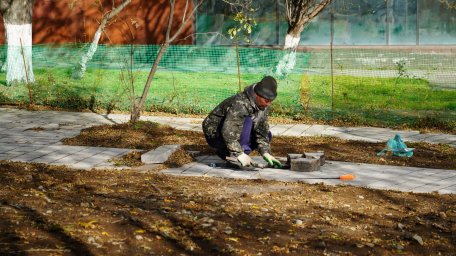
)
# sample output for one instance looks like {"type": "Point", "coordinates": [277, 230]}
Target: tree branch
{"type": "Point", "coordinates": [170, 19]}
{"type": "Point", "coordinates": [185, 11]}
{"type": "Point", "coordinates": [116, 10]}
{"type": "Point", "coordinates": [179, 30]}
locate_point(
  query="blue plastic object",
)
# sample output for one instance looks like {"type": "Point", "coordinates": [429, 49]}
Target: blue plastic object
{"type": "Point", "coordinates": [397, 147]}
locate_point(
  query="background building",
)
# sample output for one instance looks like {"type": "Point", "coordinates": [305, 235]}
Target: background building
{"type": "Point", "coordinates": [346, 22]}
{"type": "Point", "coordinates": [69, 21]}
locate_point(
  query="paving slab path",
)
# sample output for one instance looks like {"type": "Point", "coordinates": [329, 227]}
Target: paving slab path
{"type": "Point", "coordinates": [35, 136]}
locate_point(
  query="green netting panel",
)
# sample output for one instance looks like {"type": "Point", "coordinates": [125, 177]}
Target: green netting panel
{"type": "Point", "coordinates": [381, 84]}
{"type": "Point", "coordinates": [178, 58]}
{"type": "Point", "coordinates": [189, 78]}
{"type": "Point", "coordinates": [434, 65]}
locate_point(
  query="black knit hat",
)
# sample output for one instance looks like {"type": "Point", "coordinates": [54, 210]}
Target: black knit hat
{"type": "Point", "coordinates": [267, 88]}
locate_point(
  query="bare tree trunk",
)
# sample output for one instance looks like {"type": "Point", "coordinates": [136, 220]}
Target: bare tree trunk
{"type": "Point", "coordinates": [80, 69]}
{"type": "Point", "coordinates": [139, 106]}
{"type": "Point", "coordinates": [136, 113]}
{"type": "Point", "coordinates": [299, 14]}
{"type": "Point", "coordinates": [17, 17]}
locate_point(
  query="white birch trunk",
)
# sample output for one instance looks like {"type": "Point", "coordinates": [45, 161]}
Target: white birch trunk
{"type": "Point", "coordinates": [82, 65]}
{"type": "Point", "coordinates": [288, 61]}
{"type": "Point", "coordinates": [80, 69]}
{"type": "Point", "coordinates": [291, 42]}
{"type": "Point", "coordinates": [15, 68]}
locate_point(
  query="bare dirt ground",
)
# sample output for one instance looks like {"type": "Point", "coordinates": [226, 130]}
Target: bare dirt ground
{"type": "Point", "coordinates": [52, 210]}
{"type": "Point", "coordinates": [56, 211]}
{"type": "Point", "coordinates": [148, 135]}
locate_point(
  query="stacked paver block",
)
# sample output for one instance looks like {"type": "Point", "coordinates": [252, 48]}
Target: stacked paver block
{"type": "Point", "coordinates": [307, 162]}
{"type": "Point", "coordinates": [317, 155]}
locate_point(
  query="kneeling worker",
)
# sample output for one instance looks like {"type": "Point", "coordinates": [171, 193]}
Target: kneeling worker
{"type": "Point", "coordinates": [239, 124]}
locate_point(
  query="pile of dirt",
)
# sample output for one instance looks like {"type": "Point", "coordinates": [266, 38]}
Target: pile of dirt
{"type": "Point", "coordinates": [149, 135]}
{"type": "Point", "coordinates": [56, 211]}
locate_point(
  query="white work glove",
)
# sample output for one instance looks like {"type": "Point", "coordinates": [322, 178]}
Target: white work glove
{"type": "Point", "coordinates": [244, 159]}
{"type": "Point", "coordinates": [272, 162]}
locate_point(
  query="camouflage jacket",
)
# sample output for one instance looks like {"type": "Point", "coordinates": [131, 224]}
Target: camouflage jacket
{"type": "Point", "coordinates": [226, 120]}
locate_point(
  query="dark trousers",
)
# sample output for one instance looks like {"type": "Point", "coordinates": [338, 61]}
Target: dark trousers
{"type": "Point", "coordinates": [247, 140]}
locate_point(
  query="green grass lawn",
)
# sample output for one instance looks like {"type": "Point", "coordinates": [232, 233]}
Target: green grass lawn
{"type": "Point", "coordinates": [379, 101]}
{"type": "Point", "coordinates": [381, 93]}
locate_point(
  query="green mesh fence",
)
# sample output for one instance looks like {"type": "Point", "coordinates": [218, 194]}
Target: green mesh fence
{"type": "Point", "coordinates": [365, 85]}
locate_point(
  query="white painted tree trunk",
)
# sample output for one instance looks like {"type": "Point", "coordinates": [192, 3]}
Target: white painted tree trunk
{"type": "Point", "coordinates": [80, 69]}
{"type": "Point", "coordinates": [82, 65]}
{"type": "Point", "coordinates": [288, 61]}
{"type": "Point", "coordinates": [15, 69]}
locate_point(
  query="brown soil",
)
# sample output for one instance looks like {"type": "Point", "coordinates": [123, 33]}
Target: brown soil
{"type": "Point", "coordinates": [56, 211]}
{"type": "Point", "coordinates": [147, 135]}
{"type": "Point", "coordinates": [52, 210]}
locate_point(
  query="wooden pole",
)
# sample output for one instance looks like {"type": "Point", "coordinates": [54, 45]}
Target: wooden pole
{"type": "Point", "coordinates": [26, 73]}
{"type": "Point", "coordinates": [238, 64]}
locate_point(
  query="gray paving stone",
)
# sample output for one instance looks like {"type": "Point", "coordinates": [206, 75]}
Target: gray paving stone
{"type": "Point", "coordinates": [426, 189]}
{"type": "Point", "coordinates": [71, 149]}
{"type": "Point", "coordinates": [444, 173]}
{"type": "Point", "coordinates": [338, 182]}
{"type": "Point", "coordinates": [449, 181]}
{"type": "Point", "coordinates": [173, 171]}
{"type": "Point", "coordinates": [4, 147]}
{"type": "Point", "coordinates": [82, 165]}
{"type": "Point", "coordinates": [271, 174]}
{"type": "Point", "coordinates": [186, 127]}
{"type": "Point", "coordinates": [9, 156]}
{"type": "Point", "coordinates": [401, 181]}
{"type": "Point", "coordinates": [25, 148]}
{"type": "Point", "coordinates": [384, 184]}
{"type": "Point", "coordinates": [314, 130]}
{"type": "Point", "coordinates": [363, 181]}
{"type": "Point", "coordinates": [311, 175]}
{"type": "Point", "coordinates": [219, 172]}
{"type": "Point", "coordinates": [331, 132]}
{"type": "Point", "coordinates": [28, 157]}
{"type": "Point", "coordinates": [19, 143]}
{"type": "Point", "coordinates": [214, 158]}
{"type": "Point", "coordinates": [448, 190]}
{"type": "Point", "coordinates": [191, 174]}
{"type": "Point", "coordinates": [95, 159]}
{"type": "Point", "coordinates": [159, 155]}
{"type": "Point", "coordinates": [146, 168]}
{"type": "Point", "coordinates": [8, 140]}
{"type": "Point", "coordinates": [115, 152]}
{"type": "Point", "coordinates": [441, 138]}
{"type": "Point", "coordinates": [92, 150]}
{"type": "Point", "coordinates": [73, 158]}
{"type": "Point", "coordinates": [49, 158]}
{"type": "Point", "coordinates": [248, 175]}
{"type": "Point", "coordinates": [347, 136]}
{"type": "Point", "coordinates": [437, 186]}
{"type": "Point", "coordinates": [198, 168]}
{"type": "Point", "coordinates": [411, 186]}
{"type": "Point", "coordinates": [296, 130]}
{"type": "Point", "coordinates": [278, 130]}
{"type": "Point", "coordinates": [108, 166]}
{"type": "Point", "coordinates": [198, 128]}
{"type": "Point", "coordinates": [423, 172]}
{"type": "Point", "coordinates": [418, 137]}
